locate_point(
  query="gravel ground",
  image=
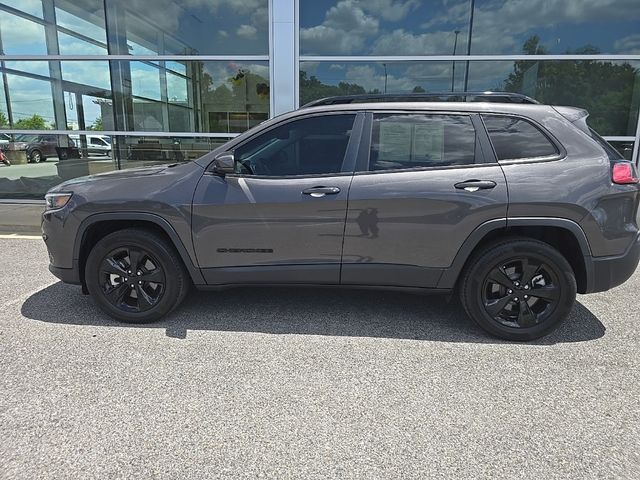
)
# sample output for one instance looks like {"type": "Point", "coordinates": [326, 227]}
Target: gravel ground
{"type": "Point", "coordinates": [308, 383]}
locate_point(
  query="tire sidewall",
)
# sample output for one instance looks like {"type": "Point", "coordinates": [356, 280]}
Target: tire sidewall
{"type": "Point", "coordinates": [503, 253]}
{"type": "Point", "coordinates": [158, 250]}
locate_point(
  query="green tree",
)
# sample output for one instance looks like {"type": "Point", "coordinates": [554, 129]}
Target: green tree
{"type": "Point", "coordinates": [97, 125]}
{"type": "Point", "coordinates": [312, 89]}
{"type": "Point", "coordinates": [34, 122]}
{"type": "Point", "coordinates": [603, 88]}
{"type": "Point", "coordinates": [3, 120]}
{"type": "Point", "coordinates": [418, 89]}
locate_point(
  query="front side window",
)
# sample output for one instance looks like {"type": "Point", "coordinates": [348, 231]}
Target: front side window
{"type": "Point", "coordinates": [515, 138]}
{"type": "Point", "coordinates": [401, 141]}
{"type": "Point", "coordinates": [309, 146]}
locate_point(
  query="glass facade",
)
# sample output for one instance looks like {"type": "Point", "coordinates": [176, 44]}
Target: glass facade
{"type": "Point", "coordinates": [166, 80]}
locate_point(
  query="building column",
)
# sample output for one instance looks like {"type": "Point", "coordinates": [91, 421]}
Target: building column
{"type": "Point", "coordinates": [283, 56]}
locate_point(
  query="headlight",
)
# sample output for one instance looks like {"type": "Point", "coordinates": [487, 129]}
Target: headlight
{"type": "Point", "coordinates": [57, 200]}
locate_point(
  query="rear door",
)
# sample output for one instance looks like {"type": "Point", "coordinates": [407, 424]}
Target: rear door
{"type": "Point", "coordinates": [423, 183]}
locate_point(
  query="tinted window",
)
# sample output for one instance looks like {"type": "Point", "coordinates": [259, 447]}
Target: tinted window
{"type": "Point", "coordinates": [308, 146]}
{"type": "Point", "coordinates": [415, 141]}
{"type": "Point", "coordinates": [514, 138]}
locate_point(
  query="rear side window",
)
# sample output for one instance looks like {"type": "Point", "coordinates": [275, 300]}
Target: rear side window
{"type": "Point", "coordinates": [402, 141]}
{"type": "Point", "coordinates": [515, 138]}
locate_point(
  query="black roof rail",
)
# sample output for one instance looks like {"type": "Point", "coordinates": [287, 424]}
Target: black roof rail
{"type": "Point", "coordinates": [498, 97]}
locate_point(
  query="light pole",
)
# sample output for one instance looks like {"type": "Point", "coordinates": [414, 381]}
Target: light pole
{"type": "Point", "coordinates": [385, 77]}
{"type": "Point", "coordinates": [453, 62]}
{"type": "Point", "coordinates": [472, 5]}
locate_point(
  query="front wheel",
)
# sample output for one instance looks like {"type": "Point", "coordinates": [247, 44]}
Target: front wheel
{"type": "Point", "coordinates": [35, 156]}
{"type": "Point", "coordinates": [518, 289]}
{"type": "Point", "coordinates": [136, 276]}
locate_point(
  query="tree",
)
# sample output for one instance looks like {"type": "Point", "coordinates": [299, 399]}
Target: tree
{"type": "Point", "coordinates": [96, 125]}
{"type": "Point", "coordinates": [603, 88]}
{"type": "Point", "coordinates": [312, 89]}
{"type": "Point", "coordinates": [3, 120]}
{"type": "Point", "coordinates": [418, 89]}
{"type": "Point", "coordinates": [34, 122]}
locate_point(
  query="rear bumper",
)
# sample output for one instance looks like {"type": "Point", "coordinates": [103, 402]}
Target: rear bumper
{"type": "Point", "coordinates": [609, 272]}
{"type": "Point", "coordinates": [67, 275]}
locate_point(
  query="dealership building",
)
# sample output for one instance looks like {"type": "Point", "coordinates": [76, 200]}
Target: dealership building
{"type": "Point", "coordinates": [89, 86]}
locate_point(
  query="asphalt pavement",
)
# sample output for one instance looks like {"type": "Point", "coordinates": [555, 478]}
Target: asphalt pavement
{"type": "Point", "coordinates": [308, 383]}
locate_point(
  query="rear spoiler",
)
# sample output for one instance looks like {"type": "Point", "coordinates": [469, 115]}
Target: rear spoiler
{"type": "Point", "coordinates": [577, 116]}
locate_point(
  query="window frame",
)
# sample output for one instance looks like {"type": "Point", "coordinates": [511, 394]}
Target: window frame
{"type": "Point", "coordinates": [560, 150]}
{"type": "Point", "coordinates": [481, 145]}
{"type": "Point", "coordinates": [348, 162]}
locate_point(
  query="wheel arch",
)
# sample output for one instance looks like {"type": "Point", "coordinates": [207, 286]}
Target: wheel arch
{"type": "Point", "coordinates": [564, 235]}
{"type": "Point", "coordinates": [98, 225]}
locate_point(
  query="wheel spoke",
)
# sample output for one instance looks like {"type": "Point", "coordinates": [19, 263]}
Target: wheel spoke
{"type": "Point", "coordinates": [154, 276]}
{"type": "Point", "coordinates": [144, 300]}
{"type": "Point", "coordinates": [117, 293]}
{"type": "Point", "coordinates": [529, 269]}
{"type": "Point", "coordinates": [110, 265]}
{"type": "Point", "coordinates": [550, 293]}
{"type": "Point", "coordinates": [135, 256]}
{"type": "Point", "coordinates": [495, 307]}
{"type": "Point", "coordinates": [526, 318]}
{"type": "Point", "coordinates": [497, 275]}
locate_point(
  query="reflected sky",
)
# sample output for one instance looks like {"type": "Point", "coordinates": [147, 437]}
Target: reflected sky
{"type": "Point", "coordinates": [413, 27]}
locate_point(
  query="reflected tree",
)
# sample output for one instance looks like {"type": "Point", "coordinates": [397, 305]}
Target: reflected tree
{"type": "Point", "coordinates": [604, 88]}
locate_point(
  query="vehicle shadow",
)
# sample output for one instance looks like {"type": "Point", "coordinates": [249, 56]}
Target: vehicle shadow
{"type": "Point", "coordinates": [305, 311]}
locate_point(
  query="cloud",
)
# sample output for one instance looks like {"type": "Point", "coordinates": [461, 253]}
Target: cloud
{"type": "Point", "coordinates": [344, 30]}
{"type": "Point", "coordinates": [629, 44]}
{"type": "Point", "coordinates": [390, 10]}
{"type": "Point", "coordinates": [247, 31]}
{"type": "Point", "coordinates": [21, 36]}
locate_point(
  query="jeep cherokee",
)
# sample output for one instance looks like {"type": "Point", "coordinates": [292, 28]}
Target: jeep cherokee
{"type": "Point", "coordinates": [512, 205]}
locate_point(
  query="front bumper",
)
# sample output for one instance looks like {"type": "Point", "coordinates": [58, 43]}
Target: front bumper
{"type": "Point", "coordinates": [67, 275]}
{"type": "Point", "coordinates": [609, 272]}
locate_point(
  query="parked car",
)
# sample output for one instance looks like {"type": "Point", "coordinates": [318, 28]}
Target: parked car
{"type": "Point", "coordinates": [512, 206]}
{"type": "Point", "coordinates": [96, 144]}
{"type": "Point", "coordinates": [38, 147]}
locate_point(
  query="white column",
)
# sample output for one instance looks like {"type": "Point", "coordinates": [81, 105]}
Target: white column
{"type": "Point", "coordinates": [282, 51]}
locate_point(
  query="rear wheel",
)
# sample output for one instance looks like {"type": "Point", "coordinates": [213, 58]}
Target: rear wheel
{"type": "Point", "coordinates": [518, 289]}
{"type": "Point", "coordinates": [136, 276]}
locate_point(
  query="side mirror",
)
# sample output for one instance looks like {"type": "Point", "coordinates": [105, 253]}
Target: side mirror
{"type": "Point", "coordinates": [224, 163]}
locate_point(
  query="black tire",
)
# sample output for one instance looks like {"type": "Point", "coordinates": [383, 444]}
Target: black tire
{"type": "Point", "coordinates": [160, 280]}
{"type": "Point", "coordinates": [531, 300]}
{"type": "Point", "coordinates": [35, 156]}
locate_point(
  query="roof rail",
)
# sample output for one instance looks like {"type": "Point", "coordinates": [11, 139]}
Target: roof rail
{"type": "Point", "coordinates": [498, 97]}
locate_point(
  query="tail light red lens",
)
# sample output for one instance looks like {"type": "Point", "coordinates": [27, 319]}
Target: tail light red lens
{"type": "Point", "coordinates": [623, 173]}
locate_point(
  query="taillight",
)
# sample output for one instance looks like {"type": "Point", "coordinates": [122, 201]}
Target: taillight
{"type": "Point", "coordinates": [623, 173]}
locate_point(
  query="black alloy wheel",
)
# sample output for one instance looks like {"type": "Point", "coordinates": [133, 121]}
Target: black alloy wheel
{"type": "Point", "coordinates": [131, 279]}
{"type": "Point", "coordinates": [136, 275]}
{"type": "Point", "coordinates": [521, 293]}
{"type": "Point", "coordinates": [518, 289]}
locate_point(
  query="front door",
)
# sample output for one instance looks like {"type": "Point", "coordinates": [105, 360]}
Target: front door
{"type": "Point", "coordinates": [280, 218]}
{"type": "Point", "coordinates": [425, 186]}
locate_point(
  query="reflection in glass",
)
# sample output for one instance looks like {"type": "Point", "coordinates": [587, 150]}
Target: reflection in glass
{"type": "Point", "coordinates": [83, 17]}
{"type": "Point", "coordinates": [21, 36]}
{"type": "Point", "coordinates": [28, 103]}
{"type": "Point", "coordinates": [173, 27]}
{"type": "Point", "coordinates": [32, 7]}
{"type": "Point", "coordinates": [441, 27]}
{"type": "Point", "coordinates": [610, 91]}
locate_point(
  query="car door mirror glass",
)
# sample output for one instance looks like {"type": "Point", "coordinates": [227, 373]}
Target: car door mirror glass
{"type": "Point", "coordinates": [224, 163]}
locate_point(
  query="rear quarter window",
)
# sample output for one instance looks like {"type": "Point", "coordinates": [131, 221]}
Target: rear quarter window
{"type": "Point", "coordinates": [515, 138]}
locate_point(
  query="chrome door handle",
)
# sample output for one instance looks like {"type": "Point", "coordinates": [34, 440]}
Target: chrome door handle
{"type": "Point", "coordinates": [318, 192]}
{"type": "Point", "coordinates": [475, 185]}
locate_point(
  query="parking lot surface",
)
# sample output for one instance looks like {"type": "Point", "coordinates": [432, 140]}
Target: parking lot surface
{"type": "Point", "coordinates": [308, 383]}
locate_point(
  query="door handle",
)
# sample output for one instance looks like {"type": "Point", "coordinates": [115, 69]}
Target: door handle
{"type": "Point", "coordinates": [475, 185]}
{"type": "Point", "coordinates": [318, 192]}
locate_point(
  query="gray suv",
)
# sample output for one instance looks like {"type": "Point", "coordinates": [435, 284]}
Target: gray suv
{"type": "Point", "coordinates": [512, 205]}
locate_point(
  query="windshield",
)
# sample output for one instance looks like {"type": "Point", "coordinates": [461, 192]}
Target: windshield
{"type": "Point", "coordinates": [612, 153]}
{"type": "Point", "coordinates": [26, 138]}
